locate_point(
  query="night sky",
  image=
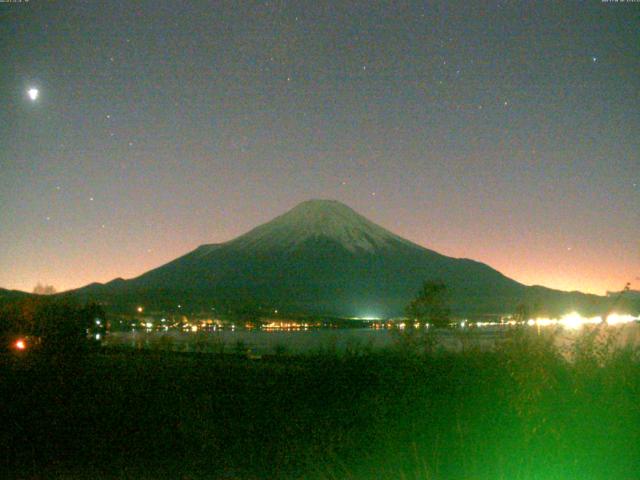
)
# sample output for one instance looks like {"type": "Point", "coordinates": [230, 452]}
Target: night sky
{"type": "Point", "coordinates": [507, 132]}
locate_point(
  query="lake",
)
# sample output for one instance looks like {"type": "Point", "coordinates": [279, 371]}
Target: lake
{"type": "Point", "coordinates": [339, 340]}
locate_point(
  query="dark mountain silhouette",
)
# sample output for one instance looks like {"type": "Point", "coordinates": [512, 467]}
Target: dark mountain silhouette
{"type": "Point", "coordinates": [323, 257]}
{"type": "Point", "coordinates": [9, 296]}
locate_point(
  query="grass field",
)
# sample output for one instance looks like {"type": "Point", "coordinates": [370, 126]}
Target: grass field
{"type": "Point", "coordinates": [520, 412]}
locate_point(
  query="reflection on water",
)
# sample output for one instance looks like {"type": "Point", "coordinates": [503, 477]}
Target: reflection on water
{"type": "Point", "coordinates": [263, 342]}
{"type": "Point", "coordinates": [335, 340]}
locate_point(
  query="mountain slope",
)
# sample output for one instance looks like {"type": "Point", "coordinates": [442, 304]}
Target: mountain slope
{"type": "Point", "coordinates": [9, 296]}
{"type": "Point", "coordinates": [321, 257]}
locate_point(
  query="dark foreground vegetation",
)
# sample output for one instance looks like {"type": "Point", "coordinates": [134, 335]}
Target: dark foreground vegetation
{"type": "Point", "coordinates": [521, 412]}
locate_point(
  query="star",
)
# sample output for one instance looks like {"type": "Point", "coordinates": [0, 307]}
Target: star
{"type": "Point", "coordinates": [594, 59]}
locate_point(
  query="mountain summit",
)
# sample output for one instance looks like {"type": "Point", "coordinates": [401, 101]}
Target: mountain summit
{"type": "Point", "coordinates": [321, 257]}
{"type": "Point", "coordinates": [318, 219]}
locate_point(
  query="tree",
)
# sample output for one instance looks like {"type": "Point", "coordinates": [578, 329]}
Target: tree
{"type": "Point", "coordinates": [93, 320]}
{"type": "Point", "coordinates": [522, 313]}
{"type": "Point", "coordinates": [18, 317]}
{"type": "Point", "coordinates": [40, 289]}
{"type": "Point", "coordinates": [61, 325]}
{"type": "Point", "coordinates": [431, 305]}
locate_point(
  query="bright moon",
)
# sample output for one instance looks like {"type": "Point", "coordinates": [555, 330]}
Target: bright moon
{"type": "Point", "coordinates": [33, 93]}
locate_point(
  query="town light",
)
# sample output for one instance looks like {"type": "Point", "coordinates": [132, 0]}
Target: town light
{"type": "Point", "coordinates": [618, 318]}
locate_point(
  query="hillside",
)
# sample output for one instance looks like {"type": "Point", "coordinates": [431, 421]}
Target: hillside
{"type": "Point", "coordinates": [323, 257]}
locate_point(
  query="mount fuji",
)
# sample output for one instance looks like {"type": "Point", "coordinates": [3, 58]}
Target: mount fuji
{"type": "Point", "coordinates": [322, 257]}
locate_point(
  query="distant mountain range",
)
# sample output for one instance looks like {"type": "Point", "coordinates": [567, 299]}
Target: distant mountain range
{"type": "Point", "coordinates": [322, 257]}
{"type": "Point", "coordinates": [12, 295]}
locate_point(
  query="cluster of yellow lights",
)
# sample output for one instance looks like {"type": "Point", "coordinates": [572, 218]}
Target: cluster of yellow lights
{"type": "Point", "coordinates": [487, 324]}
{"type": "Point", "coordinates": [575, 321]}
{"type": "Point", "coordinates": [289, 326]}
{"type": "Point", "coordinates": [571, 321]}
{"type": "Point", "coordinates": [404, 325]}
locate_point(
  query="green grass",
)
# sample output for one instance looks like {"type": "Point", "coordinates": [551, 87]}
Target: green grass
{"type": "Point", "coordinates": [520, 412]}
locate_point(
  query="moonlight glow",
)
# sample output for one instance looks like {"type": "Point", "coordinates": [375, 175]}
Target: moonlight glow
{"type": "Point", "coordinates": [33, 94]}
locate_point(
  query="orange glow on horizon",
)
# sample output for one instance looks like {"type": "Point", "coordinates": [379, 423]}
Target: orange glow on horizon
{"type": "Point", "coordinates": [596, 278]}
{"type": "Point", "coordinates": [531, 260]}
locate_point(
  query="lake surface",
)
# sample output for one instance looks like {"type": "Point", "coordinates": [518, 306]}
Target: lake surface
{"type": "Point", "coordinates": [261, 342]}
{"type": "Point", "coordinates": [337, 340]}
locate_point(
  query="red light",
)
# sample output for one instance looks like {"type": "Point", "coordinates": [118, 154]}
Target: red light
{"type": "Point", "coordinates": [20, 344]}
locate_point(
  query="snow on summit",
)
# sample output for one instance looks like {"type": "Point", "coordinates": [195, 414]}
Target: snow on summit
{"type": "Point", "coordinates": [322, 257]}
{"type": "Point", "coordinates": [328, 219]}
